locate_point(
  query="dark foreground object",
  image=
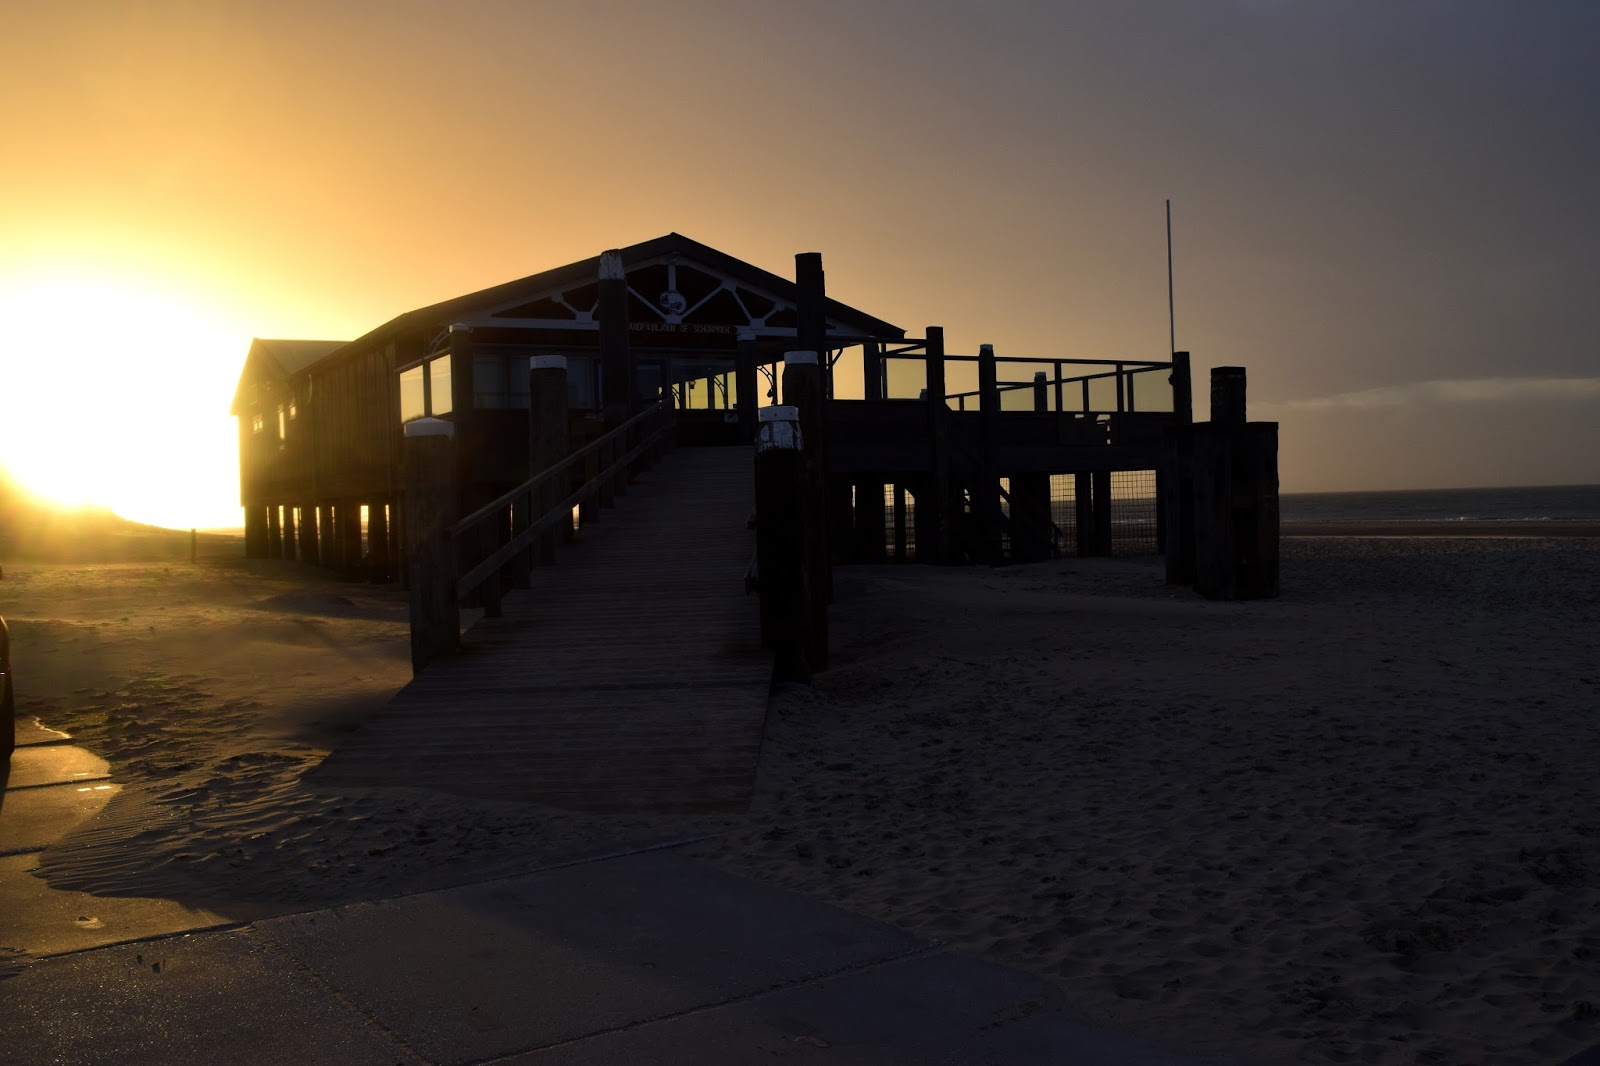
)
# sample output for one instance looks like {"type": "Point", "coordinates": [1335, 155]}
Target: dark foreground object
{"type": "Point", "coordinates": [1441, 529]}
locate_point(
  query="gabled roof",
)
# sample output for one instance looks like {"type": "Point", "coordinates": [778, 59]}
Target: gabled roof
{"type": "Point", "coordinates": [288, 357]}
{"type": "Point", "coordinates": [294, 356]}
{"type": "Point", "coordinates": [673, 244]}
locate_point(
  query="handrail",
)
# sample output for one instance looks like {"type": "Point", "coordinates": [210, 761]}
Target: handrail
{"type": "Point", "coordinates": [511, 497]}
{"type": "Point", "coordinates": [504, 554]}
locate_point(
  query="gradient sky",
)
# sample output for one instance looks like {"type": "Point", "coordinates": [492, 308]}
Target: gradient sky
{"type": "Point", "coordinates": [1384, 210]}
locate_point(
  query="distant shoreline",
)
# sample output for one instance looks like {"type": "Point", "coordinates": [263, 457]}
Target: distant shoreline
{"type": "Point", "coordinates": [1574, 528]}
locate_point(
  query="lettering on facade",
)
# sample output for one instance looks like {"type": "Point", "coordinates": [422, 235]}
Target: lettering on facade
{"type": "Point", "coordinates": [680, 327]}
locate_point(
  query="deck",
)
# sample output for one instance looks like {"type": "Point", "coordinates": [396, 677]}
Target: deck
{"type": "Point", "coordinates": [628, 677]}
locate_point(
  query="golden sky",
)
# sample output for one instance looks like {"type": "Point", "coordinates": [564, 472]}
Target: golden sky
{"type": "Point", "coordinates": [1384, 211]}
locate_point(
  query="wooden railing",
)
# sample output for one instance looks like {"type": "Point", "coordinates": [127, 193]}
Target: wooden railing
{"type": "Point", "coordinates": [649, 431]}
{"type": "Point", "coordinates": [450, 560]}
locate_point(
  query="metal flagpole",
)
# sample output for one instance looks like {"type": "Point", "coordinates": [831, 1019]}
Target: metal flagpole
{"type": "Point", "coordinates": [1172, 329]}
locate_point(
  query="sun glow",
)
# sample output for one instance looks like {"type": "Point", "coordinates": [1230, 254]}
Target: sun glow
{"type": "Point", "coordinates": [115, 393]}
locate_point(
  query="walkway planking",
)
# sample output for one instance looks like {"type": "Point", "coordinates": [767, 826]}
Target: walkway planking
{"type": "Point", "coordinates": [629, 677]}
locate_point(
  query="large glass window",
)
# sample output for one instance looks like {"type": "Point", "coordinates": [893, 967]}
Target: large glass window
{"type": "Point", "coordinates": [411, 395]}
{"type": "Point", "coordinates": [517, 381]}
{"type": "Point", "coordinates": [488, 381]}
{"type": "Point", "coordinates": [581, 384]}
{"type": "Point", "coordinates": [439, 386]}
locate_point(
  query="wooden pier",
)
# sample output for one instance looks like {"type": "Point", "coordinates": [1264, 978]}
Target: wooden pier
{"type": "Point", "coordinates": [627, 677]}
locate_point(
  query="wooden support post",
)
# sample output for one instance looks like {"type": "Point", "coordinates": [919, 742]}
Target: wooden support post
{"type": "Point", "coordinates": [350, 546]}
{"type": "Point", "coordinates": [379, 566]}
{"type": "Point", "coordinates": [430, 473]}
{"type": "Point", "coordinates": [786, 587]}
{"type": "Point", "coordinates": [255, 531]}
{"type": "Point", "coordinates": [274, 532]}
{"type": "Point", "coordinates": [939, 496]}
{"type": "Point", "coordinates": [1227, 396]}
{"type": "Point", "coordinates": [616, 362]}
{"type": "Point", "coordinates": [328, 536]}
{"type": "Point", "coordinates": [1083, 512]}
{"type": "Point", "coordinates": [1102, 512]}
{"type": "Point", "coordinates": [802, 388]}
{"type": "Point", "coordinates": [872, 371]}
{"type": "Point", "coordinates": [841, 518]}
{"type": "Point", "coordinates": [986, 497]}
{"type": "Point", "coordinates": [1178, 481]}
{"type": "Point", "coordinates": [308, 534]}
{"type": "Point", "coordinates": [900, 553]}
{"type": "Point", "coordinates": [1041, 392]}
{"type": "Point", "coordinates": [547, 445]}
{"type": "Point", "coordinates": [1031, 536]}
{"type": "Point", "coordinates": [747, 387]}
{"type": "Point", "coordinates": [291, 539]}
{"type": "Point", "coordinates": [1235, 497]}
{"type": "Point", "coordinates": [869, 522]}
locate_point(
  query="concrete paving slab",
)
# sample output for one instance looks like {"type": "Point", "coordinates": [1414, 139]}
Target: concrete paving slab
{"type": "Point", "coordinates": [41, 920]}
{"type": "Point", "coordinates": [219, 998]}
{"type": "Point", "coordinates": [493, 969]}
{"type": "Point", "coordinates": [54, 764]}
{"type": "Point", "coordinates": [33, 731]}
{"type": "Point", "coordinates": [33, 818]}
{"type": "Point", "coordinates": [917, 1012]}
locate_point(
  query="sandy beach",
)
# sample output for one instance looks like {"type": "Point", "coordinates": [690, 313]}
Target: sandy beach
{"type": "Point", "coordinates": [1356, 824]}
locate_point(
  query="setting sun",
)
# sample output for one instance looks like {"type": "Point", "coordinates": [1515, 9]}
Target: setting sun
{"type": "Point", "coordinates": [115, 393]}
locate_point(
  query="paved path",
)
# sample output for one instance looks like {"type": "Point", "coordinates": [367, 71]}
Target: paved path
{"type": "Point", "coordinates": [643, 959]}
{"type": "Point", "coordinates": [629, 677]}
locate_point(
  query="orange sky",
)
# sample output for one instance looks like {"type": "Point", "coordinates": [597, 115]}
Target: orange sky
{"type": "Point", "coordinates": [1371, 207]}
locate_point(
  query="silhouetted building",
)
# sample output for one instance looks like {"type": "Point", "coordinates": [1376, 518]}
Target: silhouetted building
{"type": "Point", "coordinates": [320, 421]}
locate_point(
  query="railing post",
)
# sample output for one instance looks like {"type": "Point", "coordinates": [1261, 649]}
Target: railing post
{"type": "Point", "coordinates": [430, 479]}
{"type": "Point", "coordinates": [1177, 483]}
{"type": "Point", "coordinates": [781, 555]}
{"type": "Point", "coordinates": [941, 504]}
{"type": "Point", "coordinates": [986, 500]}
{"type": "Point", "coordinates": [547, 444]}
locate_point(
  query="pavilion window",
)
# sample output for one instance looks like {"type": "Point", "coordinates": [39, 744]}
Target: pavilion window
{"type": "Point", "coordinates": [283, 422]}
{"type": "Point", "coordinates": [581, 384]}
{"type": "Point", "coordinates": [413, 401]}
{"type": "Point", "coordinates": [517, 382]}
{"type": "Point", "coordinates": [489, 381]}
{"type": "Point", "coordinates": [439, 386]}
{"type": "Point", "coordinates": [257, 423]}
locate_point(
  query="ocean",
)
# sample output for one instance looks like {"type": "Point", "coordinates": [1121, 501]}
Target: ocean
{"type": "Point", "coordinates": [1550, 503]}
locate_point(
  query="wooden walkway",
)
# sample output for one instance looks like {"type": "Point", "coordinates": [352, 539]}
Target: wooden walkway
{"type": "Point", "coordinates": [629, 677]}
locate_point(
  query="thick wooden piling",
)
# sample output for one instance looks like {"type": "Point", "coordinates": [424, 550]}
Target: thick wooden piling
{"type": "Point", "coordinates": [986, 496]}
{"type": "Point", "coordinates": [255, 532]}
{"type": "Point", "coordinates": [327, 537]}
{"type": "Point", "coordinates": [547, 445]}
{"type": "Point", "coordinates": [802, 386]}
{"type": "Point", "coordinates": [274, 532]}
{"type": "Point", "coordinates": [781, 550]}
{"type": "Point", "coordinates": [939, 499]}
{"type": "Point", "coordinates": [747, 388]}
{"type": "Point", "coordinates": [290, 538]}
{"type": "Point", "coordinates": [1235, 497]}
{"type": "Point", "coordinates": [430, 479]}
{"type": "Point", "coordinates": [616, 362]}
{"type": "Point", "coordinates": [350, 546]}
{"type": "Point", "coordinates": [308, 534]}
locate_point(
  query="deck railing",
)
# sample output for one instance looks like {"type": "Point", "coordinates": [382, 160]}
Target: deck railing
{"type": "Point", "coordinates": [492, 549]}
{"type": "Point", "coordinates": [618, 452]}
